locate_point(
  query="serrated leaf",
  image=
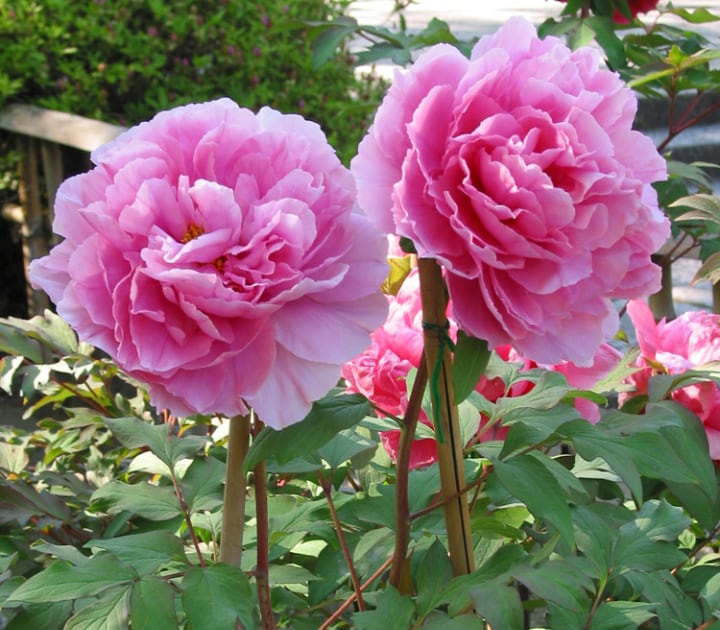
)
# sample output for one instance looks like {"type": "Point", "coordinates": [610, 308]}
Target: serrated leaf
{"type": "Point", "coordinates": [152, 605]}
{"type": "Point", "coordinates": [469, 364]}
{"type": "Point", "coordinates": [529, 480]}
{"type": "Point", "coordinates": [326, 419]}
{"type": "Point", "coordinates": [217, 597]}
{"type": "Point", "coordinates": [62, 581]}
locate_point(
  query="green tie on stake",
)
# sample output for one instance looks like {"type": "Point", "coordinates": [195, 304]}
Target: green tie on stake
{"type": "Point", "coordinates": [433, 296]}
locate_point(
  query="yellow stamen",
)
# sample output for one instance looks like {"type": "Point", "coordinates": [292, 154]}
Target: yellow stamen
{"type": "Point", "coordinates": [192, 232]}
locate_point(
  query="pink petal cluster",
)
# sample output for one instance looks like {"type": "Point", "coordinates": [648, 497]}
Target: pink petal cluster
{"type": "Point", "coordinates": [519, 171]}
{"type": "Point", "coordinates": [381, 371]}
{"type": "Point", "coordinates": [219, 256]}
{"type": "Point", "coordinates": [690, 340]}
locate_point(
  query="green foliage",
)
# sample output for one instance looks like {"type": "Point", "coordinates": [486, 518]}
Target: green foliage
{"type": "Point", "coordinates": [111, 515]}
{"type": "Point", "coordinates": [124, 60]}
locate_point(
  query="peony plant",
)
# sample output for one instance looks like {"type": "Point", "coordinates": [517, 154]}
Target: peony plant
{"type": "Point", "coordinates": [225, 248]}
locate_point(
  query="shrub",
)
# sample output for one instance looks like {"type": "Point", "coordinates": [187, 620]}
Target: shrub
{"type": "Point", "coordinates": [123, 60]}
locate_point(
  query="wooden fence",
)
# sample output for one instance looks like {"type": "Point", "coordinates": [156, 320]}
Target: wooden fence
{"type": "Point", "coordinates": [52, 145]}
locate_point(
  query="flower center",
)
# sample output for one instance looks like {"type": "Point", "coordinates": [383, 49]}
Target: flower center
{"type": "Point", "coordinates": [192, 232]}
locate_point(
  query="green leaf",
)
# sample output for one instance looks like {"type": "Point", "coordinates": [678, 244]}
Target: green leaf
{"type": "Point", "coordinates": [394, 612]}
{"type": "Point", "coordinates": [564, 581]}
{"type": "Point", "coordinates": [698, 16]}
{"type": "Point", "coordinates": [441, 621]}
{"type": "Point", "coordinates": [15, 342]}
{"type": "Point", "coordinates": [62, 581]}
{"type": "Point", "coordinates": [591, 443]}
{"type": "Point", "coordinates": [152, 605]}
{"type": "Point", "coordinates": [710, 592]}
{"type": "Point", "coordinates": [217, 597]}
{"type": "Point", "coordinates": [48, 328]}
{"type": "Point", "coordinates": [46, 616]}
{"type": "Point", "coordinates": [330, 38]}
{"type": "Point", "coordinates": [202, 484]}
{"type": "Point", "coordinates": [156, 503]}
{"type": "Point", "coordinates": [434, 572]}
{"type": "Point", "coordinates": [144, 552]}
{"type": "Point", "coordinates": [326, 419]}
{"type": "Point", "coordinates": [108, 613]}
{"type": "Point", "coordinates": [621, 615]}
{"type": "Point", "coordinates": [704, 208]}
{"type": "Point", "coordinates": [636, 550]}
{"type": "Point", "coordinates": [135, 433]}
{"type": "Point", "coordinates": [471, 359]}
{"type": "Point", "coordinates": [499, 604]}
{"type": "Point", "coordinates": [436, 32]}
{"type": "Point", "coordinates": [529, 479]}
{"type": "Point", "coordinates": [709, 270]}
{"type": "Point", "coordinates": [344, 446]}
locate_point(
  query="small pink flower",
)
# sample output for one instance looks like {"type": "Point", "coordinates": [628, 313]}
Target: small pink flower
{"type": "Point", "coordinates": [380, 373]}
{"type": "Point", "coordinates": [690, 340]}
{"type": "Point", "coordinates": [218, 255]}
{"type": "Point", "coordinates": [519, 171]}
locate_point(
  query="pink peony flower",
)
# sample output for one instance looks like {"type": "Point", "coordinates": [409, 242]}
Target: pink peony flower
{"type": "Point", "coordinates": [518, 170]}
{"type": "Point", "coordinates": [636, 7]}
{"type": "Point", "coordinates": [218, 256]}
{"type": "Point", "coordinates": [690, 340]}
{"type": "Point", "coordinates": [380, 373]}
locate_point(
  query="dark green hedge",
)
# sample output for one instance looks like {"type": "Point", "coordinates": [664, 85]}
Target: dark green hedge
{"type": "Point", "coordinates": [124, 60]}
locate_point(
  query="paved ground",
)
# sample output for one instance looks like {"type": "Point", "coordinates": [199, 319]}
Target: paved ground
{"type": "Point", "coordinates": [478, 17]}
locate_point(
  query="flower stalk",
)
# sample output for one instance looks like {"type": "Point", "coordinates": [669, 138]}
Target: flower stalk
{"type": "Point", "coordinates": [433, 295]}
{"type": "Point", "coordinates": [233, 524]}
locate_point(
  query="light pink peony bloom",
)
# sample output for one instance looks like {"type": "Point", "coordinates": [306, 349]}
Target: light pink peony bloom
{"type": "Point", "coordinates": [690, 340]}
{"type": "Point", "coordinates": [519, 171]}
{"type": "Point", "coordinates": [380, 373]}
{"type": "Point", "coordinates": [219, 256]}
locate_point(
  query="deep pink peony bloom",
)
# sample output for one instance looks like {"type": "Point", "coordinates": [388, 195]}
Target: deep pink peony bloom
{"type": "Point", "coordinates": [636, 7]}
{"type": "Point", "coordinates": [218, 255]}
{"type": "Point", "coordinates": [380, 373]}
{"type": "Point", "coordinates": [690, 340]}
{"type": "Point", "coordinates": [519, 171]}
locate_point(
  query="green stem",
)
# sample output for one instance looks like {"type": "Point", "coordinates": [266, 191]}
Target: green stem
{"type": "Point", "coordinates": [233, 523]}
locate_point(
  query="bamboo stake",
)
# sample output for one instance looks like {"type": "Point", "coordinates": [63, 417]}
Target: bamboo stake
{"type": "Point", "coordinates": [233, 523]}
{"type": "Point", "coordinates": [433, 295]}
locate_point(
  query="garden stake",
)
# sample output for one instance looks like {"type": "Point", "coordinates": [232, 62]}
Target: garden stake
{"type": "Point", "coordinates": [233, 523]}
{"type": "Point", "coordinates": [433, 296]}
